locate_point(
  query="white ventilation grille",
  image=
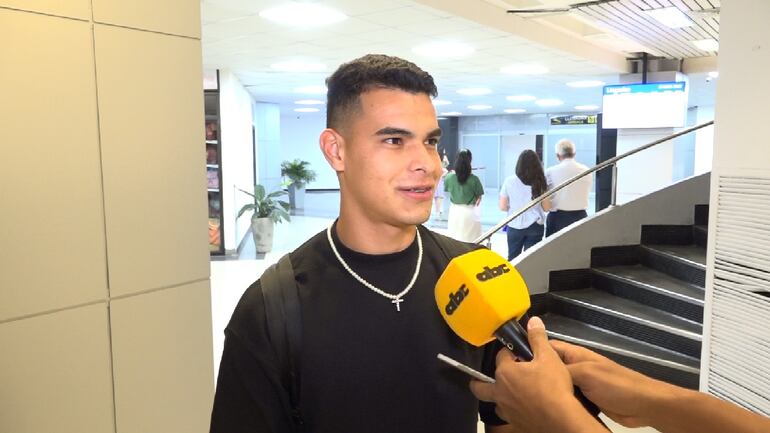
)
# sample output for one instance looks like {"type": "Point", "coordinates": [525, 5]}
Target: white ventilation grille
{"type": "Point", "coordinates": [739, 358]}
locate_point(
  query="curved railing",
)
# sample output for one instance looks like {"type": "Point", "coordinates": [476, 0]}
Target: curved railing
{"type": "Point", "coordinates": [610, 162]}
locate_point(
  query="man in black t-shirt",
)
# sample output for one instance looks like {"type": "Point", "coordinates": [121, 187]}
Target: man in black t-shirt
{"type": "Point", "coordinates": [370, 326]}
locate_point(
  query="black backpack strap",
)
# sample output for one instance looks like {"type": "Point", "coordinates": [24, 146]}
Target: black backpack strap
{"type": "Point", "coordinates": [284, 326]}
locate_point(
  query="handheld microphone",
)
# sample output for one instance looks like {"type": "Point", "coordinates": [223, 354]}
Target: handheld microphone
{"type": "Point", "coordinates": [482, 297]}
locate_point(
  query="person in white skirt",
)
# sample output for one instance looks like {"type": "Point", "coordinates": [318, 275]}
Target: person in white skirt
{"type": "Point", "coordinates": [465, 193]}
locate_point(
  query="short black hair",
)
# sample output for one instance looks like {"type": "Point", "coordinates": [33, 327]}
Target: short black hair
{"type": "Point", "coordinates": [353, 78]}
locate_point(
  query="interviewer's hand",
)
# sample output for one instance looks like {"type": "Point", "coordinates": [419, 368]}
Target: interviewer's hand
{"type": "Point", "coordinates": [622, 394]}
{"type": "Point", "coordinates": [536, 396]}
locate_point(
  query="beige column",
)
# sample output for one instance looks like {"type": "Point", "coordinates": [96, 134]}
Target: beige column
{"type": "Point", "coordinates": [105, 317]}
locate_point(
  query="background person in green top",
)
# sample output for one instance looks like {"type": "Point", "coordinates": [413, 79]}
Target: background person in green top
{"type": "Point", "coordinates": [465, 193]}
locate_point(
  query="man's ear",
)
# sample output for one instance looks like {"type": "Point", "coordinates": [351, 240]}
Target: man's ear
{"type": "Point", "coordinates": [333, 148]}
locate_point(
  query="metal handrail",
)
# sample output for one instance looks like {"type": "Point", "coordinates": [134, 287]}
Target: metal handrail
{"type": "Point", "coordinates": [487, 235]}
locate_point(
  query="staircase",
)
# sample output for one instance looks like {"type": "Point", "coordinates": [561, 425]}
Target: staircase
{"type": "Point", "coordinates": [640, 305]}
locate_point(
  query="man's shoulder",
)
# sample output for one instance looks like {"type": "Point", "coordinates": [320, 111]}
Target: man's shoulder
{"type": "Point", "coordinates": [449, 246]}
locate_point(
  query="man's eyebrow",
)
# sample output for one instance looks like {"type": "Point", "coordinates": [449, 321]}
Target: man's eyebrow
{"type": "Point", "coordinates": [435, 133]}
{"type": "Point", "coordinates": [389, 130]}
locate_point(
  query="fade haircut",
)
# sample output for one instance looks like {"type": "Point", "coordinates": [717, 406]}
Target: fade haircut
{"type": "Point", "coordinates": [372, 71]}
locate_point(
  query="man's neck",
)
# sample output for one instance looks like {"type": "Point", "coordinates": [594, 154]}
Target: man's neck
{"type": "Point", "coordinates": [374, 239]}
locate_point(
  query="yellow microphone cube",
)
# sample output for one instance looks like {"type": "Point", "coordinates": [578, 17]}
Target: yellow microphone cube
{"type": "Point", "coordinates": [478, 292]}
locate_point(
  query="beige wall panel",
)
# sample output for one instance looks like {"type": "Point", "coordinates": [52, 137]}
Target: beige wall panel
{"type": "Point", "coordinates": [177, 17]}
{"type": "Point", "coordinates": [162, 350]}
{"type": "Point", "coordinates": [51, 224]}
{"type": "Point", "coordinates": [80, 9]}
{"type": "Point", "coordinates": [151, 118]}
{"type": "Point", "coordinates": [55, 373]}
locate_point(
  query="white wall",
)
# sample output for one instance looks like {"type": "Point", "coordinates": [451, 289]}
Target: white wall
{"type": "Point", "coordinates": [237, 155]}
{"type": "Point", "coordinates": [299, 139]}
{"type": "Point", "coordinates": [736, 345]}
{"type": "Point", "coordinates": [267, 121]}
{"type": "Point", "coordinates": [704, 141]}
{"type": "Point", "coordinates": [105, 313]}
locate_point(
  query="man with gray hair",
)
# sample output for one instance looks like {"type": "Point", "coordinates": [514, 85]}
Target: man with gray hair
{"type": "Point", "coordinates": [569, 204]}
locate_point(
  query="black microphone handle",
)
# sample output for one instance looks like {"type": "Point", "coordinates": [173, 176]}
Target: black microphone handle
{"type": "Point", "coordinates": [514, 337]}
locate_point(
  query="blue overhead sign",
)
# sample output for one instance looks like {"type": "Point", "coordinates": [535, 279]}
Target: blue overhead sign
{"type": "Point", "coordinates": [670, 86]}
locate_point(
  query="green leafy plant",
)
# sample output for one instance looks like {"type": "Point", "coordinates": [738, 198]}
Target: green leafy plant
{"type": "Point", "coordinates": [298, 172]}
{"type": "Point", "coordinates": [266, 205]}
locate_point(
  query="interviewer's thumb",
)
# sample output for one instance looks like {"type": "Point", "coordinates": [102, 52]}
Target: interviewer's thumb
{"type": "Point", "coordinates": [538, 339]}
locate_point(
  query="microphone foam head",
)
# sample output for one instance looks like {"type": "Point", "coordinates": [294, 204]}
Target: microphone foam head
{"type": "Point", "coordinates": [478, 292]}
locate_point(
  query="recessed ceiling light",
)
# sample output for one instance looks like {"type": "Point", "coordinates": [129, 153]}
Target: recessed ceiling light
{"type": "Point", "coordinates": [438, 102]}
{"type": "Point", "coordinates": [515, 110]}
{"type": "Point", "coordinates": [520, 98]}
{"type": "Point", "coordinates": [706, 44]}
{"type": "Point", "coordinates": [479, 107]}
{"type": "Point", "coordinates": [586, 107]}
{"type": "Point", "coordinates": [311, 90]}
{"type": "Point", "coordinates": [441, 118]}
{"type": "Point", "coordinates": [309, 102]}
{"type": "Point", "coordinates": [298, 66]}
{"type": "Point", "coordinates": [306, 110]}
{"type": "Point", "coordinates": [304, 14]}
{"type": "Point", "coordinates": [714, 74]}
{"type": "Point", "coordinates": [549, 102]}
{"type": "Point", "coordinates": [475, 91]}
{"type": "Point", "coordinates": [586, 83]}
{"type": "Point", "coordinates": [524, 69]}
{"type": "Point", "coordinates": [670, 17]}
{"type": "Point", "coordinates": [452, 113]}
{"type": "Point", "coordinates": [444, 49]}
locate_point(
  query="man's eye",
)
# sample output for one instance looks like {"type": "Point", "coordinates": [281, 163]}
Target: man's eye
{"type": "Point", "coordinates": [433, 141]}
{"type": "Point", "coordinates": [393, 140]}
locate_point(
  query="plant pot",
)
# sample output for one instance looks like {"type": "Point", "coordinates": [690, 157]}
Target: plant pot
{"type": "Point", "coordinates": [296, 197]}
{"type": "Point", "coordinates": [262, 230]}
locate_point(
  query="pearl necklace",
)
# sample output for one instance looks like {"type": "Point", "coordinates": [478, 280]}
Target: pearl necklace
{"type": "Point", "coordinates": [395, 299]}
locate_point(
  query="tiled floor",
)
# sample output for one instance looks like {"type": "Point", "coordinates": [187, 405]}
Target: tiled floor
{"type": "Point", "coordinates": [229, 278]}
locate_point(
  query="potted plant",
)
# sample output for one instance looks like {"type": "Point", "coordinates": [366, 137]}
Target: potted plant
{"type": "Point", "coordinates": [299, 175]}
{"type": "Point", "coordinates": [268, 210]}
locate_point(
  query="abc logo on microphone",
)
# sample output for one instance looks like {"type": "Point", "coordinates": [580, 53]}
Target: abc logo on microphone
{"type": "Point", "coordinates": [478, 292]}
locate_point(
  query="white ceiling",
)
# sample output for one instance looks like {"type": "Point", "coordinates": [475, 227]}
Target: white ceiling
{"type": "Point", "coordinates": [236, 38]}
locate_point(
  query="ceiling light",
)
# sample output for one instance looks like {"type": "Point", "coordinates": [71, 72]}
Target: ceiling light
{"type": "Point", "coordinates": [444, 49]}
{"type": "Point", "coordinates": [479, 107]}
{"type": "Point", "coordinates": [438, 102]}
{"type": "Point", "coordinates": [298, 66]}
{"type": "Point", "coordinates": [586, 83]}
{"type": "Point", "coordinates": [452, 113]}
{"type": "Point", "coordinates": [549, 102]}
{"type": "Point", "coordinates": [304, 14]}
{"type": "Point", "coordinates": [670, 17]}
{"type": "Point", "coordinates": [586, 107]}
{"type": "Point", "coordinates": [706, 44]}
{"type": "Point", "coordinates": [309, 102]}
{"type": "Point", "coordinates": [306, 110]}
{"type": "Point", "coordinates": [521, 98]}
{"type": "Point", "coordinates": [524, 69]}
{"type": "Point", "coordinates": [475, 91]}
{"type": "Point", "coordinates": [514, 110]}
{"type": "Point", "coordinates": [311, 90]}
{"type": "Point", "coordinates": [714, 74]}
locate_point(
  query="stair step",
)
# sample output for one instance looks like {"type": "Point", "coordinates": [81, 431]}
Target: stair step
{"type": "Point", "coordinates": [700, 235]}
{"type": "Point", "coordinates": [690, 254]}
{"type": "Point", "coordinates": [596, 337]}
{"type": "Point", "coordinates": [657, 281]}
{"type": "Point", "coordinates": [631, 319]}
{"type": "Point", "coordinates": [685, 262]}
{"type": "Point", "coordinates": [648, 359]}
{"type": "Point", "coordinates": [628, 309]}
